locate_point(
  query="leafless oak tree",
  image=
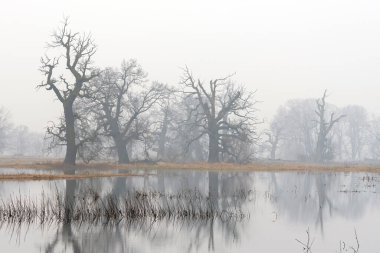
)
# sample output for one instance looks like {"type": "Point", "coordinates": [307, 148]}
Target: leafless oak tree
{"type": "Point", "coordinates": [222, 111]}
{"type": "Point", "coordinates": [324, 128]}
{"type": "Point", "coordinates": [123, 98]}
{"type": "Point", "coordinates": [5, 127]}
{"type": "Point", "coordinates": [294, 126]}
{"type": "Point", "coordinates": [356, 128]}
{"type": "Point", "coordinates": [373, 138]}
{"type": "Point", "coordinates": [77, 53]}
{"type": "Point", "coordinates": [277, 131]}
{"type": "Point", "coordinates": [274, 136]}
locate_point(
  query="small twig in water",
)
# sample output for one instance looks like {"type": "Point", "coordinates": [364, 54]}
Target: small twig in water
{"type": "Point", "coordinates": [344, 248]}
{"type": "Point", "coordinates": [356, 250]}
{"type": "Point", "coordinates": [306, 245]}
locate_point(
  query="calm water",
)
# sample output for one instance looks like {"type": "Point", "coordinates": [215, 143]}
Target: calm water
{"type": "Point", "coordinates": [280, 207]}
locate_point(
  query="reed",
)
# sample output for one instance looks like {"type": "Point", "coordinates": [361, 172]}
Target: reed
{"type": "Point", "coordinates": [88, 207]}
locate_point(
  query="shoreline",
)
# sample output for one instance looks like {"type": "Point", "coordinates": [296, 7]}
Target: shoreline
{"type": "Point", "coordinates": [107, 169]}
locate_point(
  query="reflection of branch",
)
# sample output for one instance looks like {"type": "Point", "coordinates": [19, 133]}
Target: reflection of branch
{"type": "Point", "coordinates": [50, 247]}
{"type": "Point", "coordinates": [306, 245]}
{"type": "Point", "coordinates": [342, 245]}
{"type": "Point", "coordinates": [357, 244]}
{"type": "Point", "coordinates": [211, 241]}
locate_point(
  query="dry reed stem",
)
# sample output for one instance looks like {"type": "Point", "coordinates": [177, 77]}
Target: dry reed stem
{"type": "Point", "coordinates": [88, 207]}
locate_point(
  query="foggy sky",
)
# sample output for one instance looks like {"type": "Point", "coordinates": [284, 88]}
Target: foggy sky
{"type": "Point", "coordinates": [284, 49]}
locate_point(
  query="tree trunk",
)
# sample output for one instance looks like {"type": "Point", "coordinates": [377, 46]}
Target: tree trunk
{"type": "Point", "coordinates": [213, 147]}
{"type": "Point", "coordinates": [71, 148]}
{"type": "Point", "coordinates": [274, 149]}
{"type": "Point", "coordinates": [320, 150]}
{"type": "Point", "coordinates": [161, 154]}
{"type": "Point", "coordinates": [213, 152]}
{"type": "Point", "coordinates": [121, 145]}
{"type": "Point", "coordinates": [273, 153]}
{"type": "Point", "coordinates": [122, 153]}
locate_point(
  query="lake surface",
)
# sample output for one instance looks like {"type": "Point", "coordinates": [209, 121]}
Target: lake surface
{"type": "Point", "coordinates": [339, 210]}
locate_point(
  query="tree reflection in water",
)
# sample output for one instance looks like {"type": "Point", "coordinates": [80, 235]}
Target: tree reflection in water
{"type": "Point", "coordinates": [219, 190]}
{"type": "Point", "coordinates": [311, 199]}
{"type": "Point", "coordinates": [65, 234]}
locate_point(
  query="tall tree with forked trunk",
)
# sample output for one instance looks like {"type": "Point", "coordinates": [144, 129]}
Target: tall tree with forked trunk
{"type": "Point", "coordinates": [77, 51]}
{"type": "Point", "coordinates": [222, 111]}
{"type": "Point", "coordinates": [324, 128]}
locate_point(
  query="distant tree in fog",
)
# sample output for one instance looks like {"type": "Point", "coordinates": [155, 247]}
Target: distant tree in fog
{"type": "Point", "coordinates": [123, 99]}
{"type": "Point", "coordinates": [222, 111]}
{"type": "Point", "coordinates": [275, 133]}
{"type": "Point", "coordinates": [77, 53]}
{"type": "Point", "coordinates": [323, 149]}
{"type": "Point", "coordinates": [24, 142]}
{"type": "Point", "coordinates": [356, 127]}
{"type": "Point", "coordinates": [302, 129]}
{"type": "Point", "coordinates": [295, 125]}
{"type": "Point", "coordinates": [20, 134]}
{"type": "Point", "coordinates": [162, 132]}
{"type": "Point", "coordinates": [5, 128]}
{"type": "Point", "coordinates": [373, 138]}
{"type": "Point", "coordinates": [173, 130]}
{"type": "Point", "coordinates": [17, 139]}
{"type": "Point", "coordinates": [179, 131]}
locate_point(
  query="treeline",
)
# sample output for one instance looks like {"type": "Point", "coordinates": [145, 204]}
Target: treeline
{"type": "Point", "coordinates": [18, 140]}
{"type": "Point", "coordinates": [117, 112]}
{"type": "Point", "coordinates": [295, 131]}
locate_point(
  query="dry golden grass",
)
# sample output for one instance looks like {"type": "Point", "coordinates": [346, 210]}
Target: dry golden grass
{"type": "Point", "coordinates": [199, 166]}
{"type": "Point", "coordinates": [265, 167]}
{"type": "Point", "coordinates": [99, 168]}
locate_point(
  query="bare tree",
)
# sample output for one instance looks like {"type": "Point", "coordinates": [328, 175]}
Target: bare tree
{"type": "Point", "coordinates": [20, 134]}
{"type": "Point", "coordinates": [168, 127]}
{"type": "Point", "coordinates": [162, 136]}
{"type": "Point", "coordinates": [294, 125]}
{"type": "Point", "coordinates": [276, 131]}
{"type": "Point", "coordinates": [222, 110]}
{"type": "Point", "coordinates": [324, 128]}
{"type": "Point", "coordinates": [339, 140]}
{"type": "Point", "coordinates": [356, 128]}
{"type": "Point", "coordinates": [373, 138]}
{"type": "Point", "coordinates": [178, 131]}
{"type": "Point", "coordinates": [123, 98]}
{"type": "Point", "coordinates": [273, 140]}
{"type": "Point", "coordinates": [77, 52]}
{"type": "Point", "coordinates": [87, 128]}
{"type": "Point", "coordinates": [89, 140]}
{"type": "Point", "coordinates": [5, 127]}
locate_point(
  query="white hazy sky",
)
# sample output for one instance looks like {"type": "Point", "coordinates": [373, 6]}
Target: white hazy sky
{"type": "Point", "coordinates": [283, 48]}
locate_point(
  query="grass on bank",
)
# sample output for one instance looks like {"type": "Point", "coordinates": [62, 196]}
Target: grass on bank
{"type": "Point", "coordinates": [105, 169]}
{"type": "Point", "coordinates": [40, 177]}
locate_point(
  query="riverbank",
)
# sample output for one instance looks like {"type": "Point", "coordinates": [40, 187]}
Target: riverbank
{"type": "Point", "coordinates": [107, 169]}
